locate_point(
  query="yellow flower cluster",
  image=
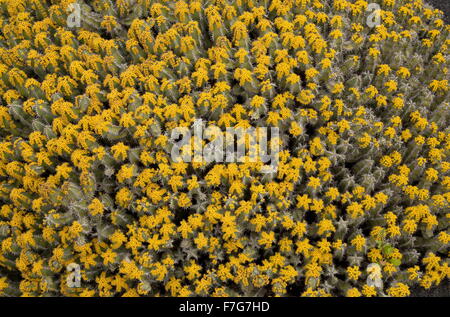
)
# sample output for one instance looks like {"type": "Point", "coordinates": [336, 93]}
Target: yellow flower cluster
{"type": "Point", "coordinates": [359, 204]}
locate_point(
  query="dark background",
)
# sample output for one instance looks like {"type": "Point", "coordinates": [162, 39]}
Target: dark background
{"type": "Point", "coordinates": [444, 288]}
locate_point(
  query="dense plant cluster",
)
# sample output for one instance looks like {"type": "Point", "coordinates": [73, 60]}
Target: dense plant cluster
{"type": "Point", "coordinates": [359, 204]}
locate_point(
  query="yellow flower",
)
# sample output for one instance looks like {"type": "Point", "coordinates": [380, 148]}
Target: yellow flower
{"type": "Point", "coordinates": [399, 290]}
{"type": "Point", "coordinates": [267, 239]}
{"type": "Point", "coordinates": [109, 257]}
{"type": "Point", "coordinates": [369, 291]}
{"type": "Point", "coordinates": [353, 272]}
{"type": "Point", "coordinates": [353, 292]}
{"type": "Point", "coordinates": [96, 207]}
{"type": "Point", "coordinates": [120, 151]}
{"type": "Point", "coordinates": [383, 69]}
{"type": "Point", "coordinates": [358, 242]}
{"type": "Point", "coordinates": [314, 182]}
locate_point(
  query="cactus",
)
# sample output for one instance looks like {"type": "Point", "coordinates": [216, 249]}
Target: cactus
{"type": "Point", "coordinates": [357, 205]}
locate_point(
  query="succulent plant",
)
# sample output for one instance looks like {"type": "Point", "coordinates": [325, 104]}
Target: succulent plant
{"type": "Point", "coordinates": [93, 203]}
